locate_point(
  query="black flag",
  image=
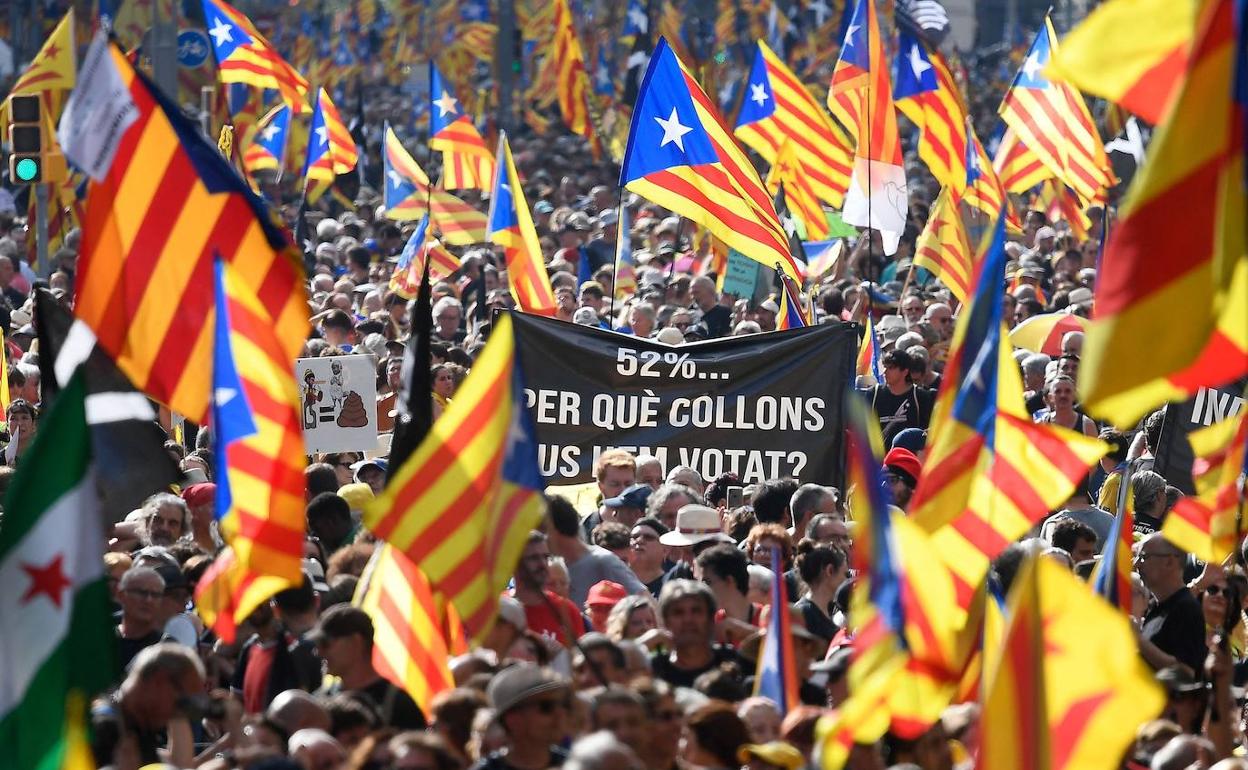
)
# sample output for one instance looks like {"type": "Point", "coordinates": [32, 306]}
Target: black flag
{"type": "Point", "coordinates": [414, 405]}
{"type": "Point", "coordinates": [789, 222]}
{"type": "Point", "coordinates": [127, 444]}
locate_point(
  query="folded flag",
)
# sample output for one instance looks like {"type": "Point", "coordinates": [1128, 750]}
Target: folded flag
{"type": "Point", "coordinates": [267, 149]}
{"type": "Point", "coordinates": [1207, 524]}
{"type": "Point", "coordinates": [331, 150]}
{"type": "Point", "coordinates": [406, 189]}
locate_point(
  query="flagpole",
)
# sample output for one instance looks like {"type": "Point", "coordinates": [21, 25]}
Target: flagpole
{"type": "Point", "coordinates": [615, 263]}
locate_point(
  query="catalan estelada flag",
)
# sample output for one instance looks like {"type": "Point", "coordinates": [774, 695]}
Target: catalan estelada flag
{"type": "Point", "coordinates": [799, 195]}
{"type": "Point", "coordinates": [244, 56]}
{"type": "Point", "coordinates": [791, 315]}
{"type": "Point", "coordinates": [1205, 525]}
{"type": "Point", "coordinates": [511, 226]}
{"type": "Point", "coordinates": [463, 504]}
{"type": "Point", "coordinates": [1052, 120]}
{"type": "Point", "coordinates": [466, 162]}
{"type": "Point", "coordinates": [779, 108]}
{"type": "Point", "coordinates": [410, 269]}
{"type": "Point", "coordinates": [990, 472]}
{"type": "Point", "coordinates": [1179, 291]}
{"type": "Point", "coordinates": [331, 150]}
{"type": "Point", "coordinates": [267, 149]}
{"type": "Point", "coordinates": [877, 195]}
{"type": "Point", "coordinates": [926, 93]}
{"type": "Point", "coordinates": [406, 191]}
{"type": "Point", "coordinates": [943, 247]}
{"type": "Point", "coordinates": [1052, 699]}
{"type": "Point", "coordinates": [259, 455]}
{"type": "Point", "coordinates": [572, 81]}
{"type": "Point", "coordinates": [680, 157]}
{"type": "Point", "coordinates": [410, 645]}
{"type": "Point", "coordinates": [983, 190]}
{"type": "Point", "coordinates": [162, 211]}
{"type": "Point", "coordinates": [1131, 53]}
{"type": "Point", "coordinates": [458, 223]}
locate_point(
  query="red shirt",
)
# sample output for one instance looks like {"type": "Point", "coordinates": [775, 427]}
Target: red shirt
{"type": "Point", "coordinates": [542, 620]}
{"type": "Point", "coordinates": [256, 678]}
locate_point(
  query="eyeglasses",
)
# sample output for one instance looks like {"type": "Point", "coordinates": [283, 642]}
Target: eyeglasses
{"type": "Point", "coordinates": [144, 594]}
{"type": "Point", "coordinates": [551, 705]}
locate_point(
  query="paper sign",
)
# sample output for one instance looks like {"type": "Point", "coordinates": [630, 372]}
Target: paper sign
{"type": "Point", "coordinates": [98, 113]}
{"type": "Point", "coordinates": [338, 403]}
{"type": "Point", "coordinates": [741, 275]}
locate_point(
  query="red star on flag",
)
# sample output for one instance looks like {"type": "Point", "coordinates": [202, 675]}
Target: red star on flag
{"type": "Point", "coordinates": [49, 579]}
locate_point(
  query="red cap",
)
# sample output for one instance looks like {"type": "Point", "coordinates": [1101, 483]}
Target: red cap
{"type": "Point", "coordinates": [902, 460]}
{"type": "Point", "coordinates": [200, 494]}
{"type": "Point", "coordinates": [605, 593]}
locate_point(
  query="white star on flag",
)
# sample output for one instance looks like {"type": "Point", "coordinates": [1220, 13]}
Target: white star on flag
{"type": "Point", "coordinates": [639, 19]}
{"type": "Point", "coordinates": [223, 396]}
{"type": "Point", "coordinates": [269, 132]}
{"type": "Point", "coordinates": [446, 105]}
{"type": "Point", "coordinates": [673, 130]}
{"type": "Point", "coordinates": [1032, 66]}
{"type": "Point", "coordinates": [221, 32]}
{"type": "Point", "coordinates": [322, 135]}
{"type": "Point", "coordinates": [918, 65]}
{"type": "Point", "coordinates": [396, 179]}
{"type": "Point", "coordinates": [758, 93]}
{"type": "Point", "coordinates": [821, 11]}
{"type": "Point", "coordinates": [850, 32]}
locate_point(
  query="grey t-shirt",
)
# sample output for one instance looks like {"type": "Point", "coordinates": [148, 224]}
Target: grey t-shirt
{"type": "Point", "coordinates": [597, 565]}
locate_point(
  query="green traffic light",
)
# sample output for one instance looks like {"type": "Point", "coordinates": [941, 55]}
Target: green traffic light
{"type": "Point", "coordinates": [27, 169]}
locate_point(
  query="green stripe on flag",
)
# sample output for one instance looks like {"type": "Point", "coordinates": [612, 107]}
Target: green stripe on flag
{"type": "Point", "coordinates": [54, 464]}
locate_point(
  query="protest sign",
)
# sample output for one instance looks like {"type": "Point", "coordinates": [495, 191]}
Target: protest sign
{"type": "Point", "coordinates": [338, 403]}
{"type": "Point", "coordinates": [1174, 451]}
{"type": "Point", "coordinates": [761, 406]}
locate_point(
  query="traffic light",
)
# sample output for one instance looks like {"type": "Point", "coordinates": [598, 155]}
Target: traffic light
{"type": "Point", "coordinates": [25, 139]}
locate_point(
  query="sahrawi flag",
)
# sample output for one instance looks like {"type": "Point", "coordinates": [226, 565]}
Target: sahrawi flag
{"type": "Point", "coordinates": [56, 637]}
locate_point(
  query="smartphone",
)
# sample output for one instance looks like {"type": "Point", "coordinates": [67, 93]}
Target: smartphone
{"type": "Point", "coordinates": [736, 497]}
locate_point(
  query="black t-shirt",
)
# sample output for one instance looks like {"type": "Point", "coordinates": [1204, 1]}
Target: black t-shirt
{"type": "Point", "coordinates": [912, 409]}
{"type": "Point", "coordinates": [663, 668]}
{"type": "Point", "coordinates": [497, 761]}
{"type": "Point", "coordinates": [817, 621]}
{"type": "Point", "coordinates": [395, 706]}
{"type": "Point", "coordinates": [718, 321]}
{"type": "Point", "coordinates": [128, 648]}
{"type": "Point", "coordinates": [1177, 627]}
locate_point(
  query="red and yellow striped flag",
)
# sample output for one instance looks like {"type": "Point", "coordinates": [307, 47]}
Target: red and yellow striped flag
{"type": "Point", "coordinates": [990, 472]}
{"type": "Point", "coordinates": [926, 93]}
{"type": "Point", "coordinates": [409, 636]}
{"type": "Point", "coordinates": [779, 108]}
{"type": "Point", "coordinates": [244, 56]}
{"type": "Point", "coordinates": [168, 205]}
{"type": "Point", "coordinates": [1053, 700]}
{"type": "Point", "coordinates": [1018, 168]}
{"type": "Point", "coordinates": [943, 247]}
{"type": "Point", "coordinates": [1174, 276]}
{"type": "Point", "coordinates": [331, 150]}
{"type": "Point", "coordinates": [459, 223]}
{"type": "Point", "coordinates": [1052, 119]}
{"type": "Point", "coordinates": [259, 453]}
{"type": "Point", "coordinates": [572, 81]}
{"type": "Point", "coordinates": [798, 191]}
{"type": "Point", "coordinates": [1206, 525]}
{"type": "Point", "coordinates": [466, 162]}
{"type": "Point", "coordinates": [511, 226]}
{"type": "Point", "coordinates": [463, 504]}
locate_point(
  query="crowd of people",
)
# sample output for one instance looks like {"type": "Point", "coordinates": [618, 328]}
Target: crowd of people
{"type": "Point", "coordinates": [631, 634]}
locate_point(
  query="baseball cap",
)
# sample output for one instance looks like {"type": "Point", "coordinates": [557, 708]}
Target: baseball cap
{"type": "Point", "coordinates": [776, 753]}
{"type": "Point", "coordinates": [632, 497]}
{"type": "Point", "coordinates": [359, 465]}
{"type": "Point", "coordinates": [200, 494]}
{"type": "Point", "coordinates": [605, 592]}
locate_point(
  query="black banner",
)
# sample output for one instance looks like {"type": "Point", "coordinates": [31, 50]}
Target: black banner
{"type": "Point", "coordinates": [1174, 452]}
{"type": "Point", "coordinates": [761, 406]}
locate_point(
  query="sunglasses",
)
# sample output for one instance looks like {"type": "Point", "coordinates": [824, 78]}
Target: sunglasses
{"type": "Point", "coordinates": [1218, 591]}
